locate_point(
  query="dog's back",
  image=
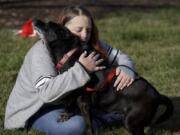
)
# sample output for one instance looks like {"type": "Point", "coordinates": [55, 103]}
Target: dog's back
{"type": "Point", "coordinates": [138, 103]}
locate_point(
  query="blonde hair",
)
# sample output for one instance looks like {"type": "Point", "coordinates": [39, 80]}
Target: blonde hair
{"type": "Point", "coordinates": [70, 12]}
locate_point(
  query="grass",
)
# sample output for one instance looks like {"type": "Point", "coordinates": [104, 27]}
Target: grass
{"type": "Point", "coordinates": [150, 37]}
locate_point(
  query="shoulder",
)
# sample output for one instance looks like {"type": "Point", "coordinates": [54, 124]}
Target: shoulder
{"type": "Point", "coordinates": [39, 49]}
{"type": "Point", "coordinates": [38, 46]}
{"type": "Point", "coordinates": [103, 44]}
{"type": "Point", "coordinates": [39, 56]}
{"type": "Point", "coordinates": [106, 47]}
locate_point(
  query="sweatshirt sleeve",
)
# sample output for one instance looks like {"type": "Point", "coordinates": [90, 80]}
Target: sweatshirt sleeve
{"type": "Point", "coordinates": [53, 88]}
{"type": "Point", "coordinates": [117, 58]}
{"type": "Point", "coordinates": [50, 86]}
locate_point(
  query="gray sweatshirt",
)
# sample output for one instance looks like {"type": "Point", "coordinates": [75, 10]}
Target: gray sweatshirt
{"type": "Point", "coordinates": [37, 82]}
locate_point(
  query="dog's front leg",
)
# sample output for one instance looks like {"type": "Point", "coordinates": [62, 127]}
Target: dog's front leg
{"type": "Point", "coordinates": [84, 106]}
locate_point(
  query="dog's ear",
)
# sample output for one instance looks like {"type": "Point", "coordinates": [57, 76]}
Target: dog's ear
{"type": "Point", "coordinates": [39, 27]}
{"type": "Point", "coordinates": [46, 33]}
{"type": "Point", "coordinates": [61, 31]}
{"type": "Point", "coordinates": [38, 23]}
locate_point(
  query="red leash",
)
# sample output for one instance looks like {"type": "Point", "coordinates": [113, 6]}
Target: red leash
{"type": "Point", "coordinates": [65, 58]}
{"type": "Point", "coordinates": [106, 82]}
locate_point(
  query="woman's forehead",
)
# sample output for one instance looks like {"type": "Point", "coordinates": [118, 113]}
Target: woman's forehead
{"type": "Point", "coordinates": [80, 21]}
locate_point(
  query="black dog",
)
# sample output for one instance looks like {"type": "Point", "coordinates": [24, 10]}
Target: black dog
{"type": "Point", "coordinates": [137, 103]}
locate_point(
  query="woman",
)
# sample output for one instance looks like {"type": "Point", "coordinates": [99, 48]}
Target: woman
{"type": "Point", "coordinates": [38, 87]}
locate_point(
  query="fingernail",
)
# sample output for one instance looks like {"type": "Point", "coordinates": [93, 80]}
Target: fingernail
{"type": "Point", "coordinates": [128, 85]}
{"type": "Point", "coordinates": [122, 87]}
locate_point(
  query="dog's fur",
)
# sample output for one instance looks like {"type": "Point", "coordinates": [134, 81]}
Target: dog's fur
{"type": "Point", "coordinates": [137, 103]}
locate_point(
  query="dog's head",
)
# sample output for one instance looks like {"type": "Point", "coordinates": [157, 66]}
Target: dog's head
{"type": "Point", "coordinates": [57, 37]}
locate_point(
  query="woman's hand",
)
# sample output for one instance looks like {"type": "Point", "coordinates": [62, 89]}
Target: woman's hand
{"type": "Point", "coordinates": [123, 80]}
{"type": "Point", "coordinates": [91, 62]}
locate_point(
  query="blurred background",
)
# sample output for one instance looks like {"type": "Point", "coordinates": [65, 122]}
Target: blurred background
{"type": "Point", "coordinates": [14, 12]}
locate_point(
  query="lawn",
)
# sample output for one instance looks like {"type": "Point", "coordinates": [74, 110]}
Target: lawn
{"type": "Point", "coordinates": [151, 37]}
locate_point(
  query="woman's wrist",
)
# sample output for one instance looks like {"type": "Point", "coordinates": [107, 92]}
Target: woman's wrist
{"type": "Point", "coordinates": [84, 67]}
{"type": "Point", "coordinates": [130, 72]}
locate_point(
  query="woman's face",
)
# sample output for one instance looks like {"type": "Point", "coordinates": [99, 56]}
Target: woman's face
{"type": "Point", "coordinates": [81, 26]}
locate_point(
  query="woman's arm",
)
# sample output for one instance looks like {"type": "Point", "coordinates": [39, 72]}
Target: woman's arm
{"type": "Point", "coordinates": [125, 66]}
{"type": "Point", "coordinates": [51, 86]}
{"type": "Point", "coordinates": [42, 73]}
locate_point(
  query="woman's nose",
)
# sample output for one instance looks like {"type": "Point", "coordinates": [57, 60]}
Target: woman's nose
{"type": "Point", "coordinates": [84, 35]}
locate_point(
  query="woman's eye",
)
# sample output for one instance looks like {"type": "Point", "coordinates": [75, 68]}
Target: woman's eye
{"type": "Point", "coordinates": [88, 30]}
{"type": "Point", "coordinates": [78, 30]}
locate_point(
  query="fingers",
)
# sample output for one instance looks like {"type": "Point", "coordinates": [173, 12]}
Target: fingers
{"type": "Point", "coordinates": [118, 80]}
{"type": "Point", "coordinates": [130, 82]}
{"type": "Point", "coordinates": [96, 57]}
{"type": "Point", "coordinates": [118, 71]}
{"type": "Point", "coordinates": [122, 81]}
{"type": "Point", "coordinates": [99, 68]}
{"type": "Point", "coordinates": [83, 55]}
{"type": "Point", "coordinates": [92, 55]}
{"type": "Point", "coordinates": [91, 61]}
{"type": "Point", "coordinates": [99, 61]}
